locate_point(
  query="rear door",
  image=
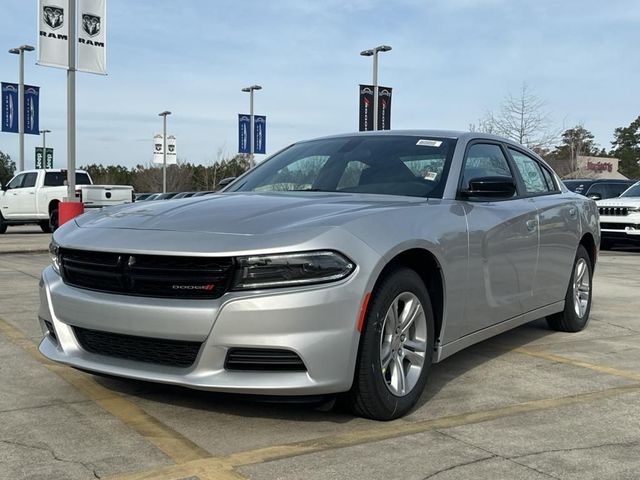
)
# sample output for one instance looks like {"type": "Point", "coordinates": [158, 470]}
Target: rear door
{"type": "Point", "coordinates": [558, 227]}
{"type": "Point", "coordinates": [503, 244]}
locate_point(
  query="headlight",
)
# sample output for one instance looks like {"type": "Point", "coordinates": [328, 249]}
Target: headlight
{"type": "Point", "coordinates": [54, 253]}
{"type": "Point", "coordinates": [291, 269]}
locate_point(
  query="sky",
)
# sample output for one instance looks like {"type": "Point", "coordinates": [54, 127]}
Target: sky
{"type": "Point", "coordinates": [452, 61]}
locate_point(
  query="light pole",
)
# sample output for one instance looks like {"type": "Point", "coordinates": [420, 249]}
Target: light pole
{"type": "Point", "coordinates": [251, 132]}
{"type": "Point", "coordinates": [164, 149]}
{"type": "Point", "coordinates": [20, 51]}
{"type": "Point", "coordinates": [368, 53]}
{"type": "Point", "coordinates": [44, 140]}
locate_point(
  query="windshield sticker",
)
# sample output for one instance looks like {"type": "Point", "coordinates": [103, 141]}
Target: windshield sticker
{"type": "Point", "coordinates": [430, 176]}
{"type": "Point", "coordinates": [429, 143]}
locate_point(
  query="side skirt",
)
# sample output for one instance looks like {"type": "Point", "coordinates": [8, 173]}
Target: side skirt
{"type": "Point", "coordinates": [443, 351]}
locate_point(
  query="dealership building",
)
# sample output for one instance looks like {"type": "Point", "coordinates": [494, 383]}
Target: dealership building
{"type": "Point", "coordinates": [590, 167]}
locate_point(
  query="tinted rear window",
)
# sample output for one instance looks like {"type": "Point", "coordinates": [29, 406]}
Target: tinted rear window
{"type": "Point", "coordinates": [57, 179]}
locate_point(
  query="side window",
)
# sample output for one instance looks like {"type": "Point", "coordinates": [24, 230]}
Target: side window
{"type": "Point", "coordinates": [16, 182]}
{"type": "Point", "coordinates": [484, 160]}
{"type": "Point", "coordinates": [30, 180]}
{"type": "Point", "coordinates": [549, 179]}
{"type": "Point", "coordinates": [531, 173]}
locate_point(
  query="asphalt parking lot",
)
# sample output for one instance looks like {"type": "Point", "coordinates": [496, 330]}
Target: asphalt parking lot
{"type": "Point", "coordinates": [528, 404]}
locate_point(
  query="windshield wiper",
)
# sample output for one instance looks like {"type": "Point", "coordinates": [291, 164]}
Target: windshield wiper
{"type": "Point", "coordinates": [308, 190]}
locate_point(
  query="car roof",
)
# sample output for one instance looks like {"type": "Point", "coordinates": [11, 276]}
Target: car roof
{"type": "Point", "coordinates": [48, 170]}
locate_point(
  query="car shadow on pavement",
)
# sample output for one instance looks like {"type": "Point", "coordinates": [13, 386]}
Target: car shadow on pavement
{"type": "Point", "coordinates": [311, 409]}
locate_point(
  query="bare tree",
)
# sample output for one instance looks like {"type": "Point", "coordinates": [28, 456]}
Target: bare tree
{"type": "Point", "coordinates": [521, 118]}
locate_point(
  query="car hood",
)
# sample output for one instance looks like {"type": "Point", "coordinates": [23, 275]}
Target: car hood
{"type": "Point", "coordinates": [244, 213]}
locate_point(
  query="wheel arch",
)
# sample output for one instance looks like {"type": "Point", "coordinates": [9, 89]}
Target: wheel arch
{"type": "Point", "coordinates": [427, 266]}
{"type": "Point", "coordinates": [52, 205]}
{"type": "Point", "coordinates": [589, 243]}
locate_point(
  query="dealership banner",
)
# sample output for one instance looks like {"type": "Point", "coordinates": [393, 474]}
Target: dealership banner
{"type": "Point", "coordinates": [92, 36]}
{"type": "Point", "coordinates": [9, 107]}
{"type": "Point", "coordinates": [158, 150]}
{"type": "Point", "coordinates": [384, 108]}
{"type": "Point", "coordinates": [31, 110]}
{"type": "Point", "coordinates": [53, 33]}
{"type": "Point", "coordinates": [44, 159]}
{"type": "Point", "coordinates": [260, 133]}
{"type": "Point", "coordinates": [244, 137]}
{"type": "Point", "coordinates": [366, 108]}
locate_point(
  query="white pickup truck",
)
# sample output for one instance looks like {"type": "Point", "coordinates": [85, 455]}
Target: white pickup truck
{"type": "Point", "coordinates": [32, 196]}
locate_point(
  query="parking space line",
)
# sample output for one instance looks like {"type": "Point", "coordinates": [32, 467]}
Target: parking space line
{"type": "Point", "coordinates": [628, 374]}
{"type": "Point", "coordinates": [223, 465]}
{"type": "Point", "coordinates": [170, 442]}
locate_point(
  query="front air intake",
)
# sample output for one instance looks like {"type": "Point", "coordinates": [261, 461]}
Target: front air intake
{"type": "Point", "coordinates": [263, 359]}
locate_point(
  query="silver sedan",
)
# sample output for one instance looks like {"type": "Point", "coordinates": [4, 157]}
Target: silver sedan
{"type": "Point", "coordinates": [347, 264]}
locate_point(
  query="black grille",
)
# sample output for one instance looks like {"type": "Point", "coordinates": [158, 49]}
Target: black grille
{"type": "Point", "coordinates": [161, 351]}
{"type": "Point", "coordinates": [147, 275]}
{"type": "Point", "coordinates": [52, 331]}
{"type": "Point", "coordinates": [263, 359]}
{"type": "Point", "coordinates": [614, 211]}
{"type": "Point", "coordinates": [618, 226]}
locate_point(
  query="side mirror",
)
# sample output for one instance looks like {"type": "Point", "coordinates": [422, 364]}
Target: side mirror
{"type": "Point", "coordinates": [595, 196]}
{"type": "Point", "coordinates": [226, 181]}
{"type": "Point", "coordinates": [490, 187]}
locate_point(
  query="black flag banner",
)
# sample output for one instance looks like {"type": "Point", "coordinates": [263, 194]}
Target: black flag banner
{"type": "Point", "coordinates": [366, 108]}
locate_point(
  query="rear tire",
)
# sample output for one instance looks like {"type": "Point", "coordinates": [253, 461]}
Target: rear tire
{"type": "Point", "coordinates": [577, 301]}
{"type": "Point", "coordinates": [45, 226]}
{"type": "Point", "coordinates": [398, 326]}
{"type": "Point", "coordinates": [53, 219]}
{"type": "Point", "coordinates": [3, 225]}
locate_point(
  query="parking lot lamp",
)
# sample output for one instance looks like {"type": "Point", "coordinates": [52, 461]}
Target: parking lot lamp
{"type": "Point", "coordinates": [20, 52]}
{"type": "Point", "coordinates": [251, 89]}
{"type": "Point", "coordinates": [373, 52]}
{"type": "Point", "coordinates": [164, 149]}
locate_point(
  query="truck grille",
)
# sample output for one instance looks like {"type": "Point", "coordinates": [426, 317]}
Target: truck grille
{"type": "Point", "coordinates": [147, 275]}
{"type": "Point", "coordinates": [263, 359]}
{"type": "Point", "coordinates": [619, 226]}
{"type": "Point", "coordinates": [614, 211]}
{"type": "Point", "coordinates": [160, 351]}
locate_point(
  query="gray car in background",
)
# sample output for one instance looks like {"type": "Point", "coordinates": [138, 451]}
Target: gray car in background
{"type": "Point", "coordinates": [347, 264]}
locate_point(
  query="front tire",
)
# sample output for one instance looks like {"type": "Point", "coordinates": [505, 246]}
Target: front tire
{"type": "Point", "coordinates": [577, 302]}
{"type": "Point", "coordinates": [395, 347]}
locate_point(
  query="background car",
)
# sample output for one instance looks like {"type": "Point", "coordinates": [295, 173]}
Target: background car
{"type": "Point", "coordinates": [598, 189]}
{"type": "Point", "coordinates": [344, 265]}
{"type": "Point", "coordinates": [620, 218]}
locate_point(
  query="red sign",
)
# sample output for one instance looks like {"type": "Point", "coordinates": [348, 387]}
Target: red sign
{"type": "Point", "coordinates": [600, 166]}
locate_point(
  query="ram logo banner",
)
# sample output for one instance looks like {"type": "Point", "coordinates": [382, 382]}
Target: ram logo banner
{"type": "Point", "coordinates": [53, 16]}
{"type": "Point", "coordinates": [260, 133]}
{"type": "Point", "coordinates": [53, 33]}
{"type": "Point", "coordinates": [92, 49]}
{"type": "Point", "coordinates": [244, 137]}
{"type": "Point", "coordinates": [158, 157]}
{"type": "Point", "coordinates": [366, 108]}
{"type": "Point", "coordinates": [91, 24]}
{"type": "Point", "coordinates": [9, 107]}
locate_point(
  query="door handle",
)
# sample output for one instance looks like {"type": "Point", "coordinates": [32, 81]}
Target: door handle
{"type": "Point", "coordinates": [531, 225]}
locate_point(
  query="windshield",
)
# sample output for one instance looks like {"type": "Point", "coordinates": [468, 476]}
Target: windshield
{"type": "Point", "coordinates": [632, 191]}
{"type": "Point", "coordinates": [384, 164]}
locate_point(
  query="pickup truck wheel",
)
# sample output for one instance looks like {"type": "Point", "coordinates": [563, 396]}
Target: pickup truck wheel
{"type": "Point", "coordinates": [395, 348]}
{"type": "Point", "coordinates": [3, 224]}
{"type": "Point", "coordinates": [44, 225]}
{"type": "Point", "coordinates": [53, 220]}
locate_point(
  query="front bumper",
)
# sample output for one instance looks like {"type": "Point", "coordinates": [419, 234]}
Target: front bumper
{"type": "Point", "coordinates": [317, 323]}
{"type": "Point", "coordinates": [621, 227]}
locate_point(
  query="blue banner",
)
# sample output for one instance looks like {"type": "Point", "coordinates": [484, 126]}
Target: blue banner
{"type": "Point", "coordinates": [244, 139]}
{"type": "Point", "coordinates": [31, 110]}
{"type": "Point", "coordinates": [9, 107]}
{"type": "Point", "coordinates": [260, 133]}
